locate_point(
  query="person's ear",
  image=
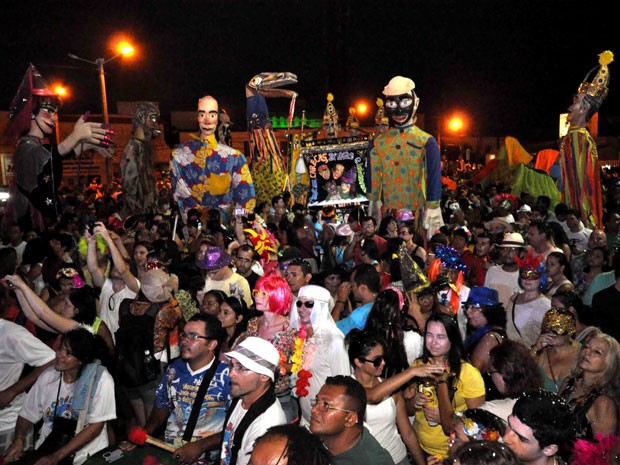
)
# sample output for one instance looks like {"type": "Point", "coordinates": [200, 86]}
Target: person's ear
{"type": "Point", "coordinates": [550, 450]}
{"type": "Point", "coordinates": [239, 319]}
{"type": "Point", "coordinates": [351, 419]}
{"type": "Point", "coordinates": [212, 344]}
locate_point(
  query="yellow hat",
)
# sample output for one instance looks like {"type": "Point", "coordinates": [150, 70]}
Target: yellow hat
{"type": "Point", "coordinates": [599, 86]}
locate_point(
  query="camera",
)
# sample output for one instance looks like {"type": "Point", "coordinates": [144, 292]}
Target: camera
{"type": "Point", "coordinates": [239, 212]}
{"type": "Point", "coordinates": [91, 227]}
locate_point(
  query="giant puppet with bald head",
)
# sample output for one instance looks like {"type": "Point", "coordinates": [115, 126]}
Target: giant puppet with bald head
{"type": "Point", "coordinates": [405, 161]}
{"type": "Point", "coordinates": [206, 173]}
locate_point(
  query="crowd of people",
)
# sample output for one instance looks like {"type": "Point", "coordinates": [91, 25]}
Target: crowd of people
{"type": "Point", "coordinates": [448, 325]}
{"type": "Point", "coordinates": [379, 344]}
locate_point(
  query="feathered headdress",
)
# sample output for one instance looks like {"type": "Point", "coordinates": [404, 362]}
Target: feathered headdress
{"type": "Point", "coordinates": [532, 266]}
{"type": "Point", "coordinates": [595, 453]}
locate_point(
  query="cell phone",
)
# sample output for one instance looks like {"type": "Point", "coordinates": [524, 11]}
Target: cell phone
{"type": "Point", "coordinates": [199, 225]}
{"type": "Point", "coordinates": [239, 211]}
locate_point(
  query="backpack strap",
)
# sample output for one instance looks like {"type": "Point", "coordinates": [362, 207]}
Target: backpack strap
{"type": "Point", "coordinates": [200, 395]}
{"type": "Point", "coordinates": [256, 409]}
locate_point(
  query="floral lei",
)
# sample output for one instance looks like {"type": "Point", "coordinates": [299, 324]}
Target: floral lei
{"type": "Point", "coordinates": [302, 361]}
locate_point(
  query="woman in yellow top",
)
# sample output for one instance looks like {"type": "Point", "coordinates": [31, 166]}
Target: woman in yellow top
{"type": "Point", "coordinates": [437, 399]}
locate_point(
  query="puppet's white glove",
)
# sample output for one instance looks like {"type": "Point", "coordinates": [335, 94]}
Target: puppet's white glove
{"type": "Point", "coordinates": [432, 221]}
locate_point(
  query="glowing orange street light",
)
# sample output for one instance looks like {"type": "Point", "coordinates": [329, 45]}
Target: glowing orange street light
{"type": "Point", "coordinates": [126, 49]}
{"type": "Point", "coordinates": [362, 109]}
{"type": "Point", "coordinates": [455, 124]}
{"type": "Point", "coordinates": [60, 90]}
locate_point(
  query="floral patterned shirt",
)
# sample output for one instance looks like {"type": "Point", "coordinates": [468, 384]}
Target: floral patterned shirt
{"type": "Point", "coordinates": [284, 341]}
{"type": "Point", "coordinates": [210, 174]}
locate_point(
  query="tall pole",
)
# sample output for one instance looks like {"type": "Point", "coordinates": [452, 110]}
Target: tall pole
{"type": "Point", "coordinates": [106, 118]}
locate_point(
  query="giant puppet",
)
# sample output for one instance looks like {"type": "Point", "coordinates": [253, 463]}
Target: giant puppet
{"type": "Point", "coordinates": [208, 174]}
{"type": "Point", "coordinates": [33, 202]}
{"type": "Point", "coordinates": [137, 178]}
{"type": "Point", "coordinates": [268, 166]}
{"type": "Point", "coordinates": [578, 152]}
{"type": "Point", "coordinates": [405, 161]}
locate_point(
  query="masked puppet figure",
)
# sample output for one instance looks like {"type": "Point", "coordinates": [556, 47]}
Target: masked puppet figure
{"type": "Point", "coordinates": [38, 165]}
{"type": "Point", "coordinates": [137, 178]}
{"type": "Point", "coordinates": [578, 151]}
{"type": "Point", "coordinates": [405, 161]}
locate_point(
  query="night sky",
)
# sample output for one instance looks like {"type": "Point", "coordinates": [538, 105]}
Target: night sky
{"type": "Point", "coordinates": [513, 66]}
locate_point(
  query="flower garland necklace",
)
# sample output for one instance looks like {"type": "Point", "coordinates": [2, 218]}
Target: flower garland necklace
{"type": "Point", "coordinates": [302, 361]}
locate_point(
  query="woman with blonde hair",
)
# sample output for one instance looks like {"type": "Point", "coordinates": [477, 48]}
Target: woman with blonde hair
{"type": "Point", "coordinates": [591, 388]}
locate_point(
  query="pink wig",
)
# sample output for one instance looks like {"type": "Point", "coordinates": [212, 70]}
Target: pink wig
{"type": "Point", "coordinates": [280, 296]}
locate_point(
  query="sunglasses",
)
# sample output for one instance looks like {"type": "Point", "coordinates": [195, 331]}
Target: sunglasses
{"type": "Point", "coordinates": [262, 294]}
{"type": "Point", "coordinates": [307, 304]}
{"type": "Point", "coordinates": [376, 362]}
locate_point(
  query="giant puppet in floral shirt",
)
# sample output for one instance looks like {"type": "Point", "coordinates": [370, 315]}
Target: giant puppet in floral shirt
{"type": "Point", "coordinates": [207, 173]}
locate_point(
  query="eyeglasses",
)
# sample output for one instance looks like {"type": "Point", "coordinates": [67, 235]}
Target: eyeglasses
{"type": "Point", "coordinates": [237, 367]}
{"type": "Point", "coordinates": [307, 304]}
{"type": "Point", "coordinates": [323, 407]}
{"type": "Point", "coordinates": [261, 294]}
{"type": "Point", "coordinates": [376, 362]}
{"type": "Point", "coordinates": [192, 336]}
{"type": "Point", "coordinates": [243, 260]}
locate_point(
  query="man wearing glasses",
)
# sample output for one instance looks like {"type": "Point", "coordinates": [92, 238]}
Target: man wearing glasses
{"type": "Point", "coordinates": [338, 419]}
{"type": "Point", "coordinates": [176, 394]}
{"type": "Point", "coordinates": [245, 257]}
{"type": "Point", "coordinates": [255, 408]}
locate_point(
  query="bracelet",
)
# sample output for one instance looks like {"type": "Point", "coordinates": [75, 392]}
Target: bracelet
{"type": "Point", "coordinates": [442, 381]}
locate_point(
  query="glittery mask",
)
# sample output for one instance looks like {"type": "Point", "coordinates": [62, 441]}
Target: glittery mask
{"type": "Point", "coordinates": [559, 321]}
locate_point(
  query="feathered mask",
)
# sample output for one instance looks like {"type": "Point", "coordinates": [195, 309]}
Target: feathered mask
{"type": "Point", "coordinates": [532, 267]}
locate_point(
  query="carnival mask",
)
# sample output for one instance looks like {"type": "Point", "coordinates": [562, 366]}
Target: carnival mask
{"type": "Point", "coordinates": [401, 108]}
{"type": "Point", "coordinates": [559, 322]}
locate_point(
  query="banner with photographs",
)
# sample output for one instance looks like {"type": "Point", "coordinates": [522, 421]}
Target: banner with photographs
{"type": "Point", "coordinates": [337, 171]}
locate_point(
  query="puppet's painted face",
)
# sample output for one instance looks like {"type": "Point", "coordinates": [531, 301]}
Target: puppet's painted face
{"type": "Point", "coordinates": [207, 116]}
{"type": "Point", "coordinates": [46, 118]}
{"type": "Point", "coordinates": [577, 111]}
{"type": "Point", "coordinates": [152, 123]}
{"type": "Point", "coordinates": [400, 108]}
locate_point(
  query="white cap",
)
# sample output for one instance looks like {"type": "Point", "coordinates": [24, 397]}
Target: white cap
{"type": "Point", "coordinates": [258, 355]}
{"type": "Point", "coordinates": [399, 85]}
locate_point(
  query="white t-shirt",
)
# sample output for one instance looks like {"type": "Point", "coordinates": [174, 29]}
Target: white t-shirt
{"type": "Point", "coordinates": [110, 302]}
{"type": "Point", "coordinates": [580, 237]}
{"type": "Point", "coordinates": [381, 422]}
{"type": "Point", "coordinates": [235, 285]}
{"type": "Point", "coordinates": [41, 404]}
{"type": "Point", "coordinates": [525, 325]}
{"type": "Point", "coordinates": [273, 416]}
{"type": "Point", "coordinates": [506, 283]}
{"type": "Point", "coordinates": [414, 345]}
{"type": "Point", "coordinates": [18, 347]}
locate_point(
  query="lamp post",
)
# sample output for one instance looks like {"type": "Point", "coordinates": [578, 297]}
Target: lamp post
{"type": "Point", "coordinates": [125, 49]}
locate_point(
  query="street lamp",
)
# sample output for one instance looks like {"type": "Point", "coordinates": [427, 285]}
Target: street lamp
{"type": "Point", "coordinates": [125, 49]}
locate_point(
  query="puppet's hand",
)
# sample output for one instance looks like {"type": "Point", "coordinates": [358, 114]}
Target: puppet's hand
{"type": "Point", "coordinates": [432, 220]}
{"type": "Point", "coordinates": [93, 133]}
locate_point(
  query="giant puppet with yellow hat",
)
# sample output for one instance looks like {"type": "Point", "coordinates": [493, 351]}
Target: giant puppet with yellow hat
{"type": "Point", "coordinates": [405, 161]}
{"type": "Point", "coordinates": [578, 151]}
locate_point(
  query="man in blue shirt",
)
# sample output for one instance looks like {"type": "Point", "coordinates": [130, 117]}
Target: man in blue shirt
{"type": "Point", "coordinates": [365, 284]}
